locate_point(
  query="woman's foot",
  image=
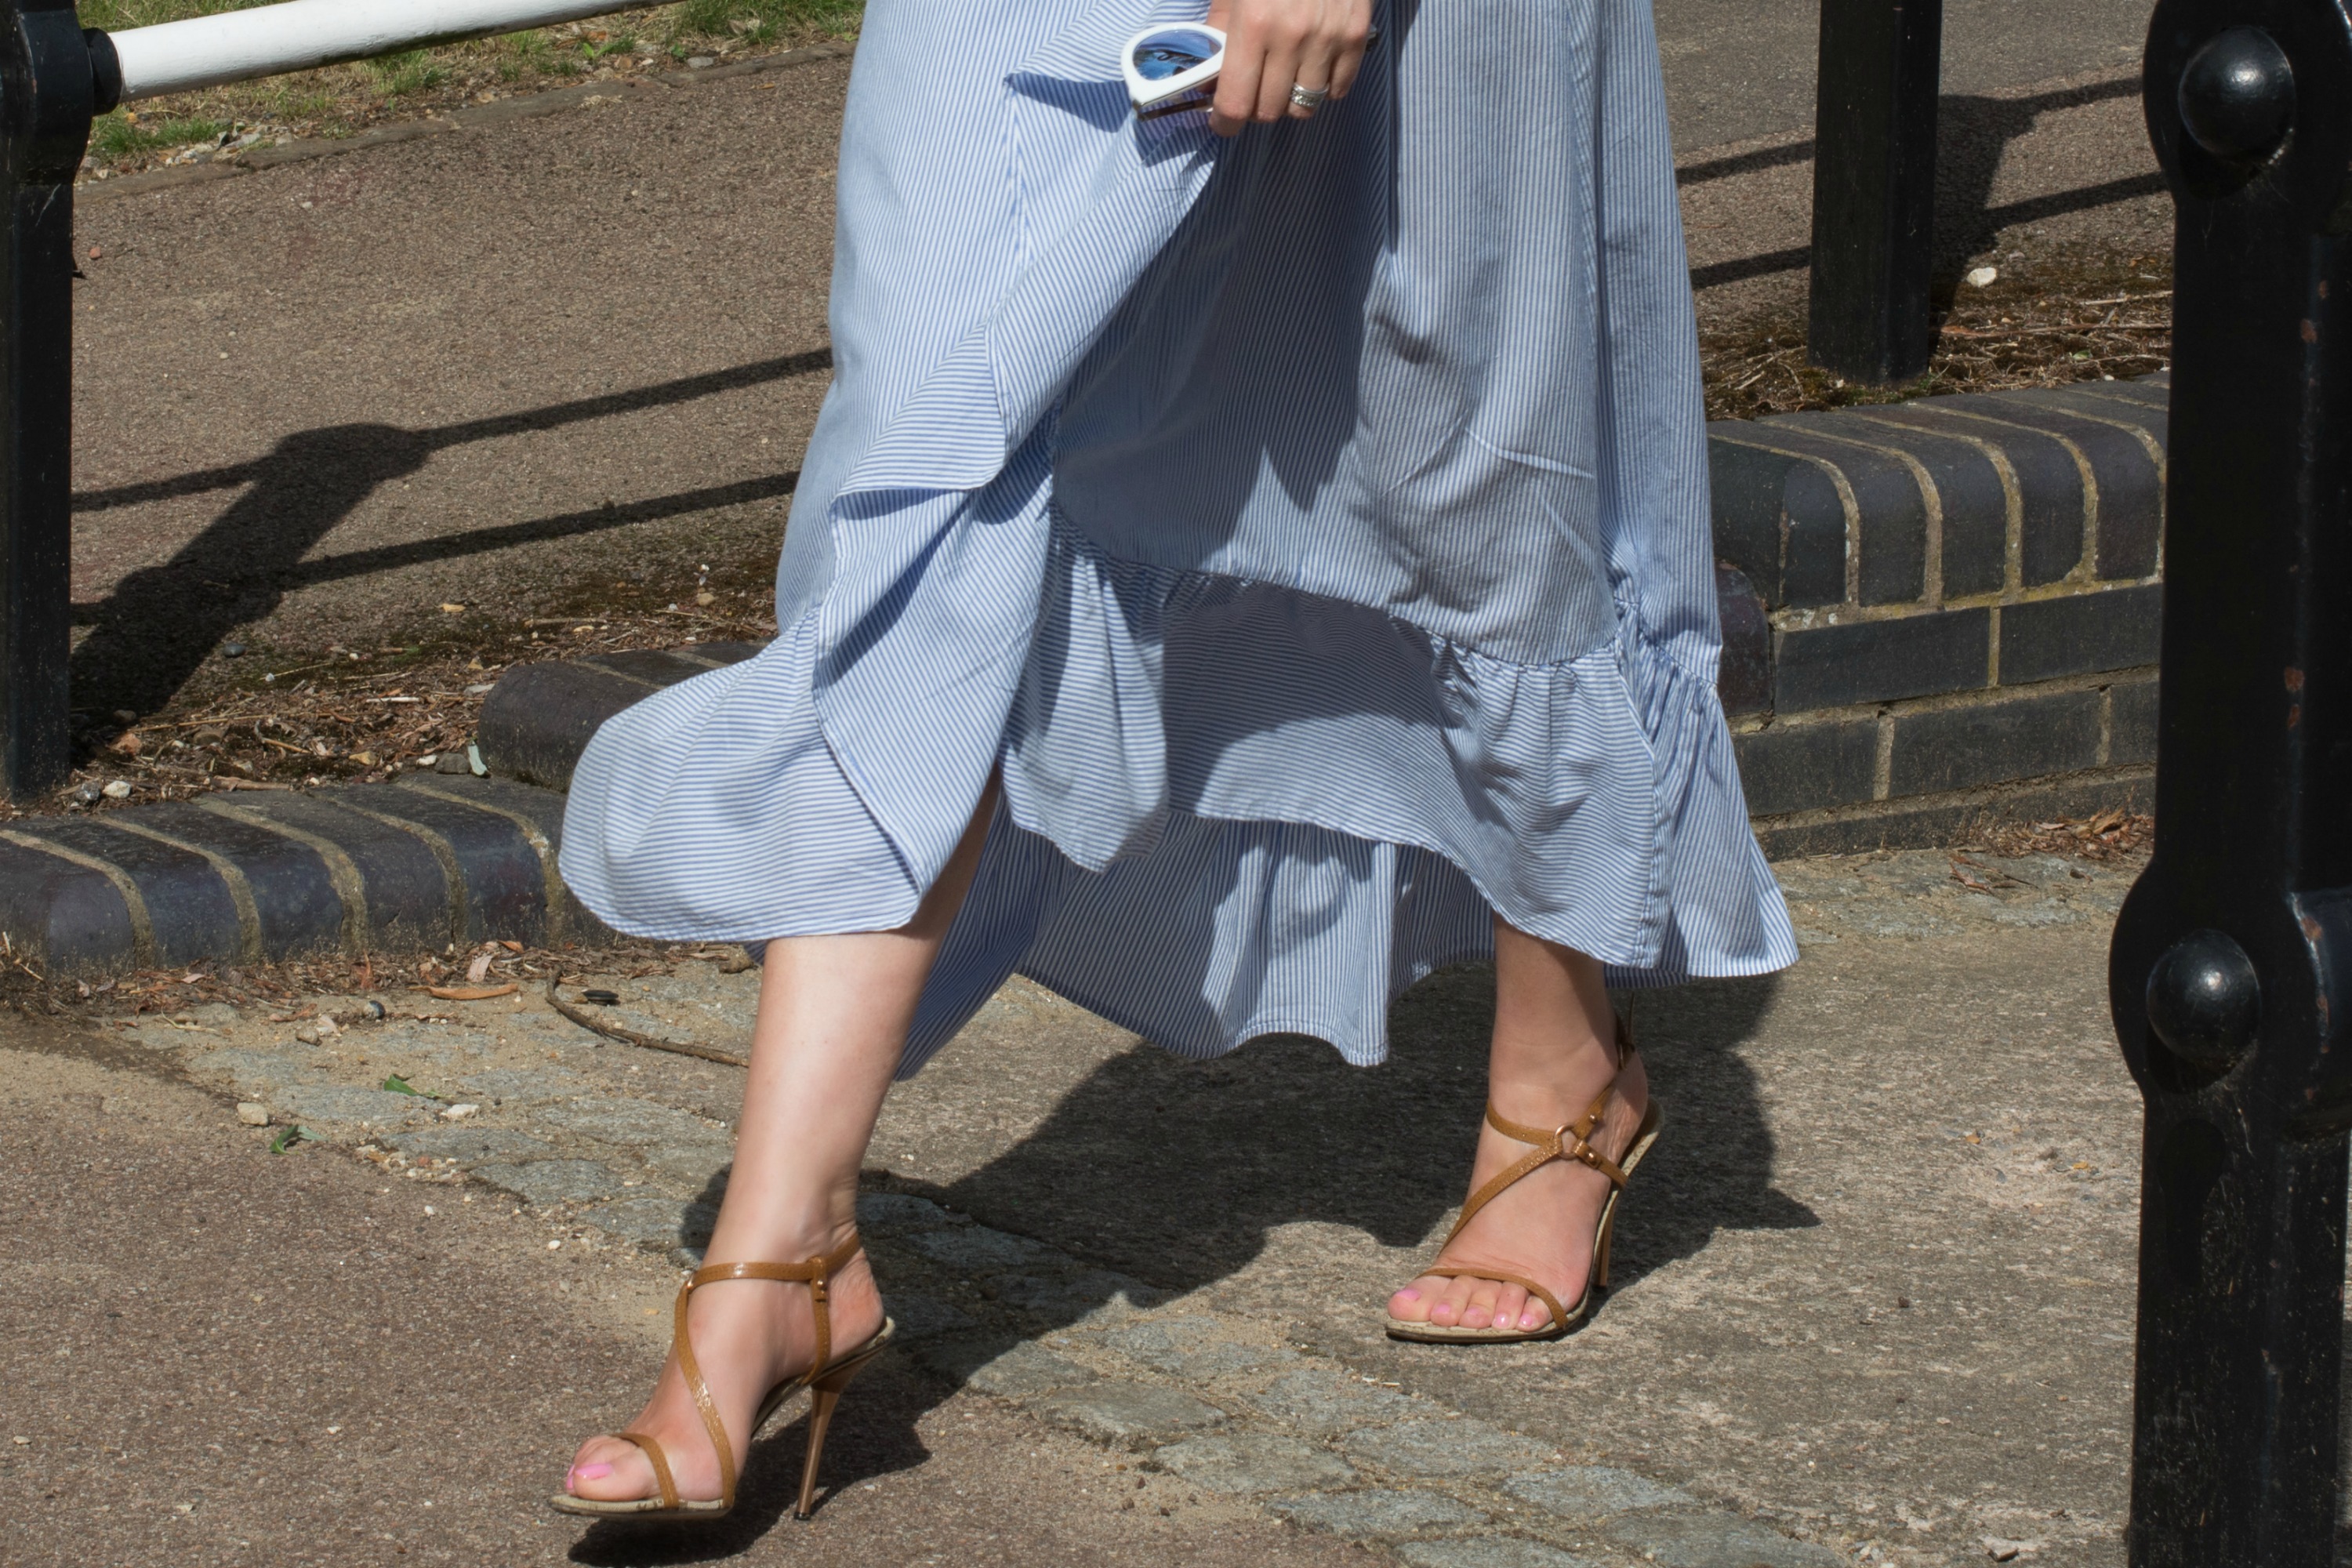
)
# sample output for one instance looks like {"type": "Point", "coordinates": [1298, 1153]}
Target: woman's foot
{"type": "Point", "coordinates": [1543, 1226]}
{"type": "Point", "coordinates": [1555, 1050]}
{"type": "Point", "coordinates": [747, 1335]}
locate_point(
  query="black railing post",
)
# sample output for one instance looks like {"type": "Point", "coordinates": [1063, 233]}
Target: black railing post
{"type": "Point", "coordinates": [48, 88]}
{"type": "Point", "coordinates": [2231, 969]}
{"type": "Point", "coordinates": [1875, 186]}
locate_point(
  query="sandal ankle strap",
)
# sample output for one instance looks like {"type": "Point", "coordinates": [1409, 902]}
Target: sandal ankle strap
{"type": "Point", "coordinates": [815, 1272]}
{"type": "Point", "coordinates": [1565, 1143]}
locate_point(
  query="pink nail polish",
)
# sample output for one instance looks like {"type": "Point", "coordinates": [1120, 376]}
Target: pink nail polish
{"type": "Point", "coordinates": [1408, 1294]}
{"type": "Point", "coordinates": [591, 1472]}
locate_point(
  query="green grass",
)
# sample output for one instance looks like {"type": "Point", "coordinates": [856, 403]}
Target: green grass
{"type": "Point", "coordinates": [410, 70]}
{"type": "Point", "coordinates": [761, 20]}
{"type": "Point", "coordinates": [115, 137]}
{"type": "Point", "coordinates": [336, 101]}
{"type": "Point", "coordinates": [115, 15]}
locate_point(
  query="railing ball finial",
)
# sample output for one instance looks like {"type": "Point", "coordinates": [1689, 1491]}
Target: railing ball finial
{"type": "Point", "coordinates": [2204, 1000]}
{"type": "Point", "coordinates": [2237, 97]}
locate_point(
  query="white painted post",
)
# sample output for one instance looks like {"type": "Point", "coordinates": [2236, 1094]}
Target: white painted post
{"type": "Point", "coordinates": [206, 51]}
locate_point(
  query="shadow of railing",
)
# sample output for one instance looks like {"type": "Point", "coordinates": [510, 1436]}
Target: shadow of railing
{"type": "Point", "coordinates": [1973, 134]}
{"type": "Point", "coordinates": [159, 623]}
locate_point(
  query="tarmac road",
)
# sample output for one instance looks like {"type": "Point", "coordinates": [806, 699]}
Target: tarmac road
{"type": "Point", "coordinates": [222, 1356]}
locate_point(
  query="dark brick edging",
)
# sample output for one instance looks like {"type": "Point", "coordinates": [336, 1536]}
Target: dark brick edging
{"type": "Point", "coordinates": [1943, 608]}
{"type": "Point", "coordinates": [430, 860]}
{"type": "Point", "coordinates": [1932, 611]}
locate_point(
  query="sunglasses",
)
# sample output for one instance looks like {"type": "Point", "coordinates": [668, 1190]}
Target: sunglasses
{"type": "Point", "coordinates": [1174, 67]}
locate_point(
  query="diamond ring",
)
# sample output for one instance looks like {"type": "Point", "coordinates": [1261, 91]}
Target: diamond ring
{"type": "Point", "coordinates": [1309, 98]}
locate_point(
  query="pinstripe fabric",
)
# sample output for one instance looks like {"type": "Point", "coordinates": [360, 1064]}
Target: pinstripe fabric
{"type": "Point", "coordinates": [1312, 528]}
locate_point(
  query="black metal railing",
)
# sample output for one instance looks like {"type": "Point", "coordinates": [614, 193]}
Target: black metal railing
{"type": "Point", "coordinates": [2228, 974]}
{"type": "Point", "coordinates": [1875, 187]}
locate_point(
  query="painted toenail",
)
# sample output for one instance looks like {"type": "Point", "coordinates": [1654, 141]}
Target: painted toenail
{"type": "Point", "coordinates": [1408, 1294]}
{"type": "Point", "coordinates": [591, 1472]}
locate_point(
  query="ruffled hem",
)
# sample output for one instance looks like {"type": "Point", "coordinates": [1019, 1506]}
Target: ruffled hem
{"type": "Point", "coordinates": [1229, 809]}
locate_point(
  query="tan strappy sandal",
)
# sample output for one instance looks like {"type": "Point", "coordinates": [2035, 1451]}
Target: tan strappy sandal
{"type": "Point", "coordinates": [1560, 1143]}
{"type": "Point", "coordinates": [824, 1379]}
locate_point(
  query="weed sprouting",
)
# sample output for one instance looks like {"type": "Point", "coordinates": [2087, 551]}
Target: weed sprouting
{"type": "Point", "coordinates": [117, 135]}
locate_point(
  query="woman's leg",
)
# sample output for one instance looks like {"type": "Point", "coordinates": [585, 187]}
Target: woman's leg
{"type": "Point", "coordinates": [834, 1016]}
{"type": "Point", "coordinates": [1554, 1051]}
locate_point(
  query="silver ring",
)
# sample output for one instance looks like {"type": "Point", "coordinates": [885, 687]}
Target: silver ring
{"type": "Point", "coordinates": [1309, 98]}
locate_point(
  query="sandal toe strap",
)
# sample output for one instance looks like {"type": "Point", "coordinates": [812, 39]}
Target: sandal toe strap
{"type": "Point", "coordinates": [653, 1451]}
{"type": "Point", "coordinates": [1480, 1272]}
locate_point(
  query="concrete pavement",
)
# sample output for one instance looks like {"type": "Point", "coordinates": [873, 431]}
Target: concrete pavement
{"type": "Point", "coordinates": [1874, 1294]}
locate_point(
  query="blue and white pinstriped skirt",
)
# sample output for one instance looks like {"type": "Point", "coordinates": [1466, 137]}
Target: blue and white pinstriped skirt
{"type": "Point", "coordinates": [1311, 528]}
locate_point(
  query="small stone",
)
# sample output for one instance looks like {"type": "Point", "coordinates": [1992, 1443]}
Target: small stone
{"type": "Point", "coordinates": [1983, 277]}
{"type": "Point", "coordinates": [90, 793]}
{"type": "Point", "coordinates": [1464, 1447]}
{"type": "Point", "coordinates": [1130, 1414]}
{"type": "Point", "coordinates": [232, 650]}
{"type": "Point", "coordinates": [1252, 1462]}
{"type": "Point", "coordinates": [458, 1112]}
{"type": "Point", "coordinates": [1377, 1514]}
{"type": "Point", "coordinates": [119, 789]}
{"type": "Point", "coordinates": [700, 62]}
{"type": "Point", "coordinates": [1589, 1491]}
{"type": "Point", "coordinates": [1713, 1539]}
{"type": "Point", "coordinates": [451, 763]}
{"type": "Point", "coordinates": [1488, 1552]}
{"type": "Point", "coordinates": [1322, 1402]}
{"type": "Point", "coordinates": [252, 1113]}
{"type": "Point", "coordinates": [1014, 1369]}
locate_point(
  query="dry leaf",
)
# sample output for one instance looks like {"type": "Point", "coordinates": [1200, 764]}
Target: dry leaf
{"type": "Point", "coordinates": [478, 968]}
{"type": "Point", "coordinates": [472, 992]}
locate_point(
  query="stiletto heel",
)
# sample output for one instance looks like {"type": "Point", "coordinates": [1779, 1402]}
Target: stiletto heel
{"type": "Point", "coordinates": [824, 1395]}
{"type": "Point", "coordinates": [827, 1375]}
{"type": "Point", "coordinates": [1568, 1142]}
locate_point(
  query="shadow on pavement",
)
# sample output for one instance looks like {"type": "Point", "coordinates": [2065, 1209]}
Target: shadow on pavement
{"type": "Point", "coordinates": [1179, 1173]}
{"type": "Point", "coordinates": [161, 623]}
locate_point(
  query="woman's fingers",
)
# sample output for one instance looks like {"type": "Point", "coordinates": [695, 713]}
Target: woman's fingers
{"type": "Point", "coordinates": [1236, 97]}
{"type": "Point", "coordinates": [1272, 45]}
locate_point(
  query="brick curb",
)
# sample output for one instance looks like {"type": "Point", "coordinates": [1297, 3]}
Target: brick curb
{"type": "Point", "coordinates": [1933, 612]}
{"type": "Point", "coordinates": [247, 877]}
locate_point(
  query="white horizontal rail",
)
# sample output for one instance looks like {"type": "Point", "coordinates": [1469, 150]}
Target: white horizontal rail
{"type": "Point", "coordinates": [267, 40]}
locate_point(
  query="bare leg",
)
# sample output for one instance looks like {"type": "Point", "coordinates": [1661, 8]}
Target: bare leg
{"type": "Point", "coordinates": [1554, 1051]}
{"type": "Point", "coordinates": [834, 1016]}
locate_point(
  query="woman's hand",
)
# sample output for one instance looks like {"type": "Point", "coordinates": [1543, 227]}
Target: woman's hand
{"type": "Point", "coordinates": [1272, 44]}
